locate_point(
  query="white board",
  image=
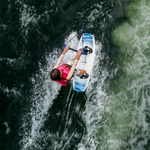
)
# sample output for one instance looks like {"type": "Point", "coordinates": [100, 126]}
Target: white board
{"type": "Point", "coordinates": [85, 62]}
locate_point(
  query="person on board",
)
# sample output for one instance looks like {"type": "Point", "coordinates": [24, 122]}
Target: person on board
{"type": "Point", "coordinates": [62, 74]}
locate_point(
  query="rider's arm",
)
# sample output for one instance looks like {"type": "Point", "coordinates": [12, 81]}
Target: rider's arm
{"type": "Point", "coordinates": [74, 64]}
{"type": "Point", "coordinates": [61, 57]}
{"type": "Point", "coordinates": [72, 70]}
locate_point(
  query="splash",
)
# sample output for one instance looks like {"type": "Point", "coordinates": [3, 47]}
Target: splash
{"type": "Point", "coordinates": [44, 92]}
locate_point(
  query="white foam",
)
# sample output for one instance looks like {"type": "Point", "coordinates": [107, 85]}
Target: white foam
{"type": "Point", "coordinates": [9, 60]}
{"type": "Point", "coordinates": [7, 126]}
{"type": "Point", "coordinates": [3, 26]}
{"type": "Point", "coordinates": [44, 91]}
{"type": "Point", "coordinates": [8, 91]}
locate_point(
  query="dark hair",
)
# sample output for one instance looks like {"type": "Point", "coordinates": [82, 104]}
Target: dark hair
{"type": "Point", "coordinates": [55, 74]}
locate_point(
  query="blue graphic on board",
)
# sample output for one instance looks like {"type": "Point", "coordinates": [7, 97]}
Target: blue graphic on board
{"type": "Point", "coordinates": [80, 84]}
{"type": "Point", "coordinates": [87, 38]}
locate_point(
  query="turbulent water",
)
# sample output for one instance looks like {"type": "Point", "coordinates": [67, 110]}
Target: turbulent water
{"type": "Point", "coordinates": [37, 113]}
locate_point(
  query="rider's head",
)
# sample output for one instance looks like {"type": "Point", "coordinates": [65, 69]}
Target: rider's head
{"type": "Point", "coordinates": [55, 74]}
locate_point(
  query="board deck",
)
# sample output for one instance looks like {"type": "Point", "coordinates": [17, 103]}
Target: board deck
{"type": "Point", "coordinates": [86, 62]}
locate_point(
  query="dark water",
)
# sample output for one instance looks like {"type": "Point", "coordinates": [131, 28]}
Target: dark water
{"type": "Point", "coordinates": [36, 113]}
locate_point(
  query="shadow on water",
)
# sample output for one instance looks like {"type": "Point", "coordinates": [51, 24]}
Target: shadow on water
{"type": "Point", "coordinates": [65, 119]}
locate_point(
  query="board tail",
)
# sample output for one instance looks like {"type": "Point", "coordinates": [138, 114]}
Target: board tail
{"type": "Point", "coordinates": [80, 84]}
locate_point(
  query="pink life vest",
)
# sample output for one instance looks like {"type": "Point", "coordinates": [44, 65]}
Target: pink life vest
{"type": "Point", "coordinates": [65, 68]}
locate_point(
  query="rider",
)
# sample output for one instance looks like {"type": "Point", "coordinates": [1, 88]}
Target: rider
{"type": "Point", "coordinates": [62, 74]}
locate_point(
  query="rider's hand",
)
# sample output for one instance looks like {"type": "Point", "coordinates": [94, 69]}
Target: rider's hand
{"type": "Point", "coordinates": [66, 49]}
